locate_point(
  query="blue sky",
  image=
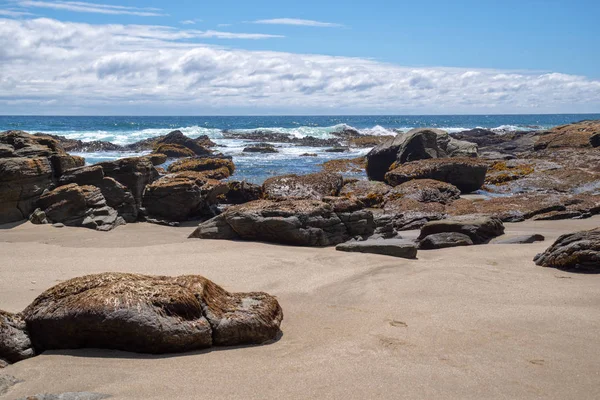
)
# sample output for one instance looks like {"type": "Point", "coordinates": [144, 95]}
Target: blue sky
{"type": "Point", "coordinates": [511, 56]}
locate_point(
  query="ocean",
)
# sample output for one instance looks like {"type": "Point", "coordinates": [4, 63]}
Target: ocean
{"type": "Point", "coordinates": [255, 167]}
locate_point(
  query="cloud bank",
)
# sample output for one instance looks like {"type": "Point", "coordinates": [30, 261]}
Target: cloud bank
{"type": "Point", "coordinates": [79, 6]}
{"type": "Point", "coordinates": [48, 66]}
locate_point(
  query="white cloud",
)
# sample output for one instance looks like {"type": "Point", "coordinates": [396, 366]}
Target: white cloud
{"type": "Point", "coordinates": [299, 22]}
{"type": "Point", "coordinates": [190, 21]}
{"type": "Point", "coordinates": [14, 13]}
{"type": "Point", "coordinates": [63, 67]}
{"type": "Point", "coordinates": [79, 6]}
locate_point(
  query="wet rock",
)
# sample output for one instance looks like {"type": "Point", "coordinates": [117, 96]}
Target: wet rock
{"type": "Point", "coordinates": [293, 222]}
{"type": "Point", "coordinates": [573, 251]}
{"type": "Point", "coordinates": [15, 344]}
{"type": "Point", "coordinates": [205, 164]}
{"type": "Point", "coordinates": [481, 137]}
{"type": "Point", "coordinates": [480, 229]}
{"type": "Point", "coordinates": [388, 247]}
{"type": "Point", "coordinates": [78, 146]}
{"type": "Point", "coordinates": [521, 239]}
{"type": "Point", "coordinates": [242, 192]}
{"type": "Point", "coordinates": [134, 173]}
{"type": "Point", "coordinates": [340, 149]}
{"type": "Point", "coordinates": [179, 140]}
{"type": "Point", "coordinates": [157, 158]}
{"type": "Point", "coordinates": [174, 150]}
{"type": "Point", "coordinates": [467, 174]}
{"type": "Point", "coordinates": [365, 141]}
{"type": "Point", "coordinates": [260, 148]}
{"type": "Point", "coordinates": [370, 193]}
{"type": "Point", "coordinates": [444, 240]}
{"type": "Point", "coordinates": [424, 191]}
{"type": "Point", "coordinates": [278, 137]}
{"type": "Point", "coordinates": [312, 186]}
{"type": "Point", "coordinates": [149, 314]}
{"type": "Point", "coordinates": [308, 155]}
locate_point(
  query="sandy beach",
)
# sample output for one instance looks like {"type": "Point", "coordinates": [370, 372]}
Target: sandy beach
{"type": "Point", "coordinates": [473, 322]}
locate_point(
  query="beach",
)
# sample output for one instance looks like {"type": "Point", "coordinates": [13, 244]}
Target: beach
{"type": "Point", "coordinates": [468, 322]}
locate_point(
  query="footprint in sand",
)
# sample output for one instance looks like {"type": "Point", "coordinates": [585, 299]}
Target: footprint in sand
{"type": "Point", "coordinates": [397, 324]}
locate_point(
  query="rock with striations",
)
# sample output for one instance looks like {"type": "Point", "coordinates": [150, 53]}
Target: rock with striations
{"type": "Point", "coordinates": [371, 193]}
{"type": "Point", "coordinates": [134, 173]}
{"type": "Point", "coordinates": [416, 144]}
{"type": "Point", "coordinates": [444, 240]}
{"type": "Point", "coordinates": [388, 247]}
{"type": "Point", "coordinates": [219, 165]}
{"type": "Point", "coordinates": [424, 191]}
{"type": "Point", "coordinates": [480, 229]}
{"type": "Point", "coordinates": [15, 344]}
{"type": "Point", "coordinates": [293, 222]}
{"type": "Point", "coordinates": [467, 174]}
{"type": "Point", "coordinates": [147, 314]}
{"type": "Point", "coordinates": [74, 205]}
{"type": "Point", "coordinates": [312, 186]}
{"type": "Point", "coordinates": [574, 251]}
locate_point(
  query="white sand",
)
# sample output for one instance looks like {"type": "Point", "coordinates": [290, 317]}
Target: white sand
{"type": "Point", "coordinates": [463, 323]}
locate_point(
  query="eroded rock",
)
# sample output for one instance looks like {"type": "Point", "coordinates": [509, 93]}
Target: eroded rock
{"type": "Point", "coordinates": [312, 186]}
{"type": "Point", "coordinates": [573, 251]}
{"type": "Point", "coordinates": [388, 247]}
{"type": "Point", "coordinates": [480, 229]}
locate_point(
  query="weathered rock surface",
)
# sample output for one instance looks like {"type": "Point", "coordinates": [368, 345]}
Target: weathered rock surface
{"type": "Point", "coordinates": [595, 140]}
{"type": "Point", "coordinates": [213, 167]}
{"type": "Point", "coordinates": [444, 240]}
{"type": "Point", "coordinates": [174, 150]}
{"type": "Point", "coordinates": [424, 191]}
{"type": "Point", "coordinates": [134, 173]}
{"type": "Point", "coordinates": [148, 314]}
{"type": "Point", "coordinates": [521, 239]}
{"type": "Point", "coordinates": [416, 144]}
{"type": "Point", "coordinates": [15, 344]}
{"type": "Point", "coordinates": [260, 148]}
{"type": "Point", "coordinates": [370, 193]}
{"type": "Point", "coordinates": [467, 174]}
{"type": "Point", "coordinates": [388, 247]}
{"type": "Point", "coordinates": [344, 165]}
{"type": "Point", "coordinates": [573, 251]}
{"type": "Point", "coordinates": [75, 205]}
{"type": "Point", "coordinates": [312, 186]}
{"type": "Point", "coordinates": [572, 135]}
{"type": "Point", "coordinates": [178, 140]}
{"type": "Point", "coordinates": [175, 137]}
{"type": "Point", "coordinates": [242, 192]}
{"type": "Point", "coordinates": [278, 137]}
{"type": "Point", "coordinates": [480, 229]}
{"type": "Point", "coordinates": [294, 222]}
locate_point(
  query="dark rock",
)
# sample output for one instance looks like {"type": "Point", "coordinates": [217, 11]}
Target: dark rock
{"type": "Point", "coordinates": [58, 225]}
{"type": "Point", "coordinates": [38, 217]}
{"type": "Point", "coordinates": [242, 192]}
{"type": "Point", "coordinates": [157, 158]}
{"type": "Point", "coordinates": [134, 173]}
{"type": "Point", "coordinates": [371, 193]}
{"type": "Point", "coordinates": [312, 186]}
{"type": "Point", "coordinates": [15, 344]}
{"type": "Point", "coordinates": [481, 137]}
{"type": "Point", "coordinates": [177, 138]}
{"type": "Point", "coordinates": [222, 166]}
{"type": "Point", "coordinates": [277, 137]}
{"type": "Point", "coordinates": [344, 165]}
{"type": "Point", "coordinates": [595, 140]}
{"type": "Point", "coordinates": [480, 229]}
{"type": "Point", "coordinates": [388, 247]}
{"type": "Point", "coordinates": [78, 146]}
{"type": "Point", "coordinates": [573, 251]}
{"type": "Point", "coordinates": [521, 239]}
{"type": "Point", "coordinates": [384, 226]}
{"type": "Point", "coordinates": [308, 155]}
{"type": "Point", "coordinates": [444, 240]}
{"type": "Point", "coordinates": [260, 148]}
{"type": "Point", "coordinates": [149, 314]}
{"type": "Point", "coordinates": [340, 149]}
{"type": "Point", "coordinates": [467, 174]}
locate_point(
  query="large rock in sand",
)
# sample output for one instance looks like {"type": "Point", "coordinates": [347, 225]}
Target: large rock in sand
{"type": "Point", "coordinates": [481, 229]}
{"type": "Point", "coordinates": [134, 173]}
{"type": "Point", "coordinates": [370, 193]}
{"type": "Point", "coordinates": [148, 314]}
{"type": "Point", "coordinates": [467, 174]}
{"type": "Point", "coordinates": [387, 247]}
{"type": "Point", "coordinates": [312, 186]}
{"type": "Point", "coordinates": [573, 251]}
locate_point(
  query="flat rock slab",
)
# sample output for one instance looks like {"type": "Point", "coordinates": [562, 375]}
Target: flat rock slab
{"type": "Point", "coordinates": [521, 239]}
{"type": "Point", "coordinates": [387, 247]}
{"type": "Point", "coordinates": [444, 240]}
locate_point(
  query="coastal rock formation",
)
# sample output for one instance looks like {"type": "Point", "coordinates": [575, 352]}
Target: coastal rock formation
{"type": "Point", "coordinates": [217, 166]}
{"type": "Point", "coordinates": [139, 313]}
{"type": "Point", "coordinates": [293, 222]}
{"type": "Point", "coordinates": [15, 344]}
{"type": "Point", "coordinates": [573, 251]}
{"type": "Point", "coordinates": [242, 192]}
{"type": "Point", "coordinates": [278, 137]}
{"type": "Point", "coordinates": [74, 205]}
{"type": "Point", "coordinates": [416, 144]}
{"type": "Point", "coordinates": [312, 186]}
{"type": "Point", "coordinates": [134, 173]}
{"type": "Point", "coordinates": [260, 148]}
{"type": "Point", "coordinates": [179, 141]}
{"type": "Point", "coordinates": [572, 135]}
{"type": "Point", "coordinates": [423, 191]}
{"type": "Point", "coordinates": [370, 193]}
{"type": "Point", "coordinates": [480, 229]}
{"type": "Point", "coordinates": [387, 247]}
{"type": "Point", "coordinates": [521, 239]}
{"type": "Point", "coordinates": [467, 174]}
{"type": "Point", "coordinates": [444, 240]}
{"type": "Point", "coordinates": [344, 165]}
{"type": "Point", "coordinates": [595, 140]}
{"type": "Point", "coordinates": [174, 150]}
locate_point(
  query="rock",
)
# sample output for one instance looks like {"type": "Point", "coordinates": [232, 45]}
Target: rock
{"type": "Point", "coordinates": [308, 155]}
{"type": "Point", "coordinates": [416, 144]}
{"type": "Point", "coordinates": [134, 173]}
{"type": "Point", "coordinates": [38, 217]}
{"type": "Point", "coordinates": [293, 222]}
{"type": "Point", "coordinates": [78, 146]}
{"type": "Point", "coordinates": [204, 164]}
{"type": "Point", "coordinates": [444, 240]}
{"type": "Point", "coordinates": [88, 175]}
{"type": "Point", "coordinates": [370, 193]}
{"type": "Point", "coordinates": [572, 135]}
{"type": "Point", "coordinates": [424, 191]}
{"type": "Point", "coordinates": [344, 165]}
{"type": "Point", "coordinates": [595, 140]}
{"type": "Point", "coordinates": [340, 149]}
{"type": "Point", "coordinates": [388, 247]}
{"type": "Point", "coordinates": [384, 226]}
{"type": "Point", "coordinates": [521, 239]}
{"type": "Point", "coordinates": [174, 151]}
{"type": "Point", "coordinates": [157, 158]}
{"type": "Point", "coordinates": [75, 205]}
{"type": "Point", "coordinates": [179, 141]}
{"type": "Point", "coordinates": [481, 137]}
{"type": "Point", "coordinates": [312, 186]}
{"type": "Point", "coordinates": [15, 344]}
{"type": "Point", "coordinates": [481, 229]}
{"type": "Point", "coordinates": [149, 314]}
{"type": "Point", "coordinates": [278, 137]}
{"type": "Point", "coordinates": [467, 174]}
{"type": "Point", "coordinates": [6, 382]}
{"type": "Point", "coordinates": [365, 141]}
{"type": "Point", "coordinates": [260, 148]}
{"type": "Point", "coordinates": [242, 192]}
{"type": "Point", "coordinates": [68, 396]}
{"type": "Point", "coordinates": [573, 251]}
{"type": "Point", "coordinates": [500, 172]}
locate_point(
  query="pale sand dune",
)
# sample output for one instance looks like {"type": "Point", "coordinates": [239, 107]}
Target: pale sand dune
{"type": "Point", "coordinates": [476, 323]}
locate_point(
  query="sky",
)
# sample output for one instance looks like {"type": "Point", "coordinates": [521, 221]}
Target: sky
{"type": "Point", "coordinates": [310, 57]}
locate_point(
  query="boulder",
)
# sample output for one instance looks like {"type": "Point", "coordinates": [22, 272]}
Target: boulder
{"type": "Point", "coordinates": [595, 140]}
{"type": "Point", "coordinates": [174, 151]}
{"type": "Point", "coordinates": [177, 140]}
{"type": "Point", "coordinates": [204, 164]}
{"type": "Point", "coordinates": [481, 137]}
{"type": "Point", "coordinates": [467, 174]}
{"type": "Point", "coordinates": [424, 191]}
{"type": "Point", "coordinates": [312, 186]}
{"type": "Point", "coordinates": [38, 217]}
{"type": "Point", "coordinates": [574, 251]}
{"type": "Point", "coordinates": [157, 158]}
{"type": "Point", "coordinates": [242, 192]}
{"type": "Point", "coordinates": [573, 135]}
{"type": "Point", "coordinates": [260, 148]}
{"type": "Point", "coordinates": [344, 165]}
{"type": "Point", "coordinates": [75, 205]}
{"type": "Point", "coordinates": [521, 239]}
{"type": "Point", "coordinates": [134, 173]}
{"type": "Point", "coordinates": [388, 247]}
{"type": "Point", "coordinates": [293, 222]}
{"type": "Point", "coordinates": [15, 344]}
{"type": "Point", "coordinates": [480, 229]}
{"type": "Point", "coordinates": [416, 144]}
{"type": "Point", "coordinates": [370, 193]}
{"type": "Point", "coordinates": [444, 240]}
{"type": "Point", "coordinates": [148, 314]}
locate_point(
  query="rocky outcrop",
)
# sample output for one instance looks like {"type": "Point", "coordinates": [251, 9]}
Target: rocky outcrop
{"type": "Point", "coordinates": [389, 247]}
{"type": "Point", "coordinates": [423, 191]}
{"type": "Point", "coordinates": [174, 150]}
{"type": "Point", "coordinates": [242, 192]}
{"type": "Point", "coordinates": [181, 196]}
{"type": "Point", "coordinates": [595, 140]}
{"type": "Point", "coordinates": [344, 165]}
{"type": "Point", "coordinates": [467, 174]}
{"type": "Point", "coordinates": [139, 313]}
{"type": "Point", "coordinates": [573, 251]}
{"type": "Point", "coordinates": [293, 222]}
{"type": "Point", "coordinates": [312, 186]}
{"type": "Point", "coordinates": [178, 140]}
{"type": "Point", "coordinates": [573, 135]}
{"type": "Point", "coordinates": [417, 144]}
{"type": "Point", "coordinates": [480, 229]}
{"type": "Point", "coordinates": [370, 193]}
{"type": "Point", "coordinates": [74, 205]}
{"type": "Point", "coordinates": [15, 344]}
{"type": "Point", "coordinates": [260, 148]}
{"type": "Point", "coordinates": [279, 137]}
{"type": "Point", "coordinates": [444, 240]}
{"type": "Point", "coordinates": [134, 173]}
{"type": "Point", "coordinates": [215, 167]}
